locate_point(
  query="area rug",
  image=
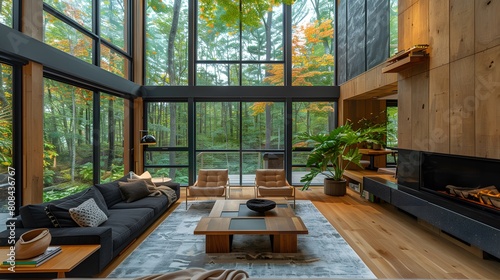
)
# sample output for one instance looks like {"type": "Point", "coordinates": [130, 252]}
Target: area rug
{"type": "Point", "coordinates": [172, 246]}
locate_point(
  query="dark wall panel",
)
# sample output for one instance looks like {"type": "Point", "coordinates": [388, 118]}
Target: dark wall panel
{"type": "Point", "coordinates": [341, 42]}
{"type": "Point", "coordinates": [356, 57]}
{"type": "Point", "coordinates": [377, 32]}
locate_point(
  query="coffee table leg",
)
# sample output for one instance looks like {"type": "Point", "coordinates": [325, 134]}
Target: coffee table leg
{"type": "Point", "coordinates": [217, 244]}
{"type": "Point", "coordinates": [284, 243]}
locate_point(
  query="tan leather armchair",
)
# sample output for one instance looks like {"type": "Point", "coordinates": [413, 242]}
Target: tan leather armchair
{"type": "Point", "coordinates": [210, 182]}
{"type": "Point", "coordinates": [273, 182]}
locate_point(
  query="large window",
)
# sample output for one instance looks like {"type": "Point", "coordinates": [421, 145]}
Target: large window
{"type": "Point", "coordinates": [166, 42]}
{"type": "Point", "coordinates": [7, 169]}
{"type": "Point", "coordinates": [68, 26]}
{"type": "Point", "coordinates": [68, 128]}
{"type": "Point", "coordinates": [71, 119]}
{"type": "Point", "coordinates": [6, 11]}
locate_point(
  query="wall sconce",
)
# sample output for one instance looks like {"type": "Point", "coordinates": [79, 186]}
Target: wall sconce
{"type": "Point", "coordinates": [147, 139]}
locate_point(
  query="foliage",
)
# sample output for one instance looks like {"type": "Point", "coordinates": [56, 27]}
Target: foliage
{"type": "Point", "coordinates": [87, 171]}
{"type": "Point", "coordinates": [334, 151]}
{"type": "Point", "coordinates": [57, 194]}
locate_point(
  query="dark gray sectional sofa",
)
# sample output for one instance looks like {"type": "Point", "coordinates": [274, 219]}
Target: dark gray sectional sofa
{"type": "Point", "coordinates": [126, 221]}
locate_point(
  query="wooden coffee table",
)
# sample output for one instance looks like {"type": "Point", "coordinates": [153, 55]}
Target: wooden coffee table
{"type": "Point", "coordinates": [69, 257]}
{"type": "Point", "coordinates": [229, 217]}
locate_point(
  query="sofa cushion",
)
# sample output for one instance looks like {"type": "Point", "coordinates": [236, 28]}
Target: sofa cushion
{"type": "Point", "coordinates": [88, 214]}
{"type": "Point", "coordinates": [157, 203]}
{"type": "Point", "coordinates": [58, 211]}
{"type": "Point", "coordinates": [34, 216]}
{"type": "Point", "coordinates": [126, 222]}
{"type": "Point", "coordinates": [133, 191]}
{"type": "Point", "coordinates": [111, 192]}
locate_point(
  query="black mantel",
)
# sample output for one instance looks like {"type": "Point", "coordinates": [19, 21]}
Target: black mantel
{"type": "Point", "coordinates": [421, 178]}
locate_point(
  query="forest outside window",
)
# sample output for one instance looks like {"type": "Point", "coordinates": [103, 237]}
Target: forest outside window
{"type": "Point", "coordinates": [6, 12]}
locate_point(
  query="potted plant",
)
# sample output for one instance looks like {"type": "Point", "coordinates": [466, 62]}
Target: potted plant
{"type": "Point", "coordinates": [333, 152]}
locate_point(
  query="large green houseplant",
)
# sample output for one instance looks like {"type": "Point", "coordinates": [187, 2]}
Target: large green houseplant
{"type": "Point", "coordinates": [333, 152]}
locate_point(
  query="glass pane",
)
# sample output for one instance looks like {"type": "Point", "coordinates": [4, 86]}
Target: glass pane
{"type": "Point", "coordinates": [166, 60]}
{"type": "Point", "coordinates": [262, 75]}
{"type": "Point", "coordinates": [311, 117]}
{"type": "Point", "coordinates": [313, 43]}
{"type": "Point", "coordinates": [262, 31]}
{"type": "Point", "coordinates": [112, 137]}
{"type": "Point", "coordinates": [114, 62]}
{"type": "Point", "coordinates": [217, 125]}
{"type": "Point", "coordinates": [263, 125]}
{"type": "Point", "coordinates": [68, 143]}
{"type": "Point", "coordinates": [220, 160]}
{"type": "Point", "coordinates": [178, 175]}
{"type": "Point", "coordinates": [6, 12]}
{"type": "Point", "coordinates": [218, 30]}
{"type": "Point", "coordinates": [66, 38]}
{"type": "Point", "coordinates": [217, 75]}
{"type": "Point", "coordinates": [113, 22]}
{"type": "Point", "coordinates": [78, 10]}
{"type": "Point", "coordinates": [251, 161]}
{"type": "Point", "coordinates": [393, 27]}
{"type": "Point", "coordinates": [166, 158]}
{"type": "Point", "coordinates": [168, 122]}
{"type": "Point", "coordinates": [392, 126]}
{"type": "Point", "coordinates": [6, 144]}
{"type": "Point", "coordinates": [298, 172]}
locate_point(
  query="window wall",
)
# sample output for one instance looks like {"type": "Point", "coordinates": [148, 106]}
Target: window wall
{"type": "Point", "coordinates": [71, 120]}
{"type": "Point", "coordinates": [7, 168]}
{"type": "Point", "coordinates": [98, 32]}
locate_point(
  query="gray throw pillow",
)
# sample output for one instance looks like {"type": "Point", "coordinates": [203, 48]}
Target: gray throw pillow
{"type": "Point", "coordinates": [88, 214]}
{"type": "Point", "coordinates": [133, 191]}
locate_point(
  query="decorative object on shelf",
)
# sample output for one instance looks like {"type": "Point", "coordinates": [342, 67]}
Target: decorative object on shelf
{"type": "Point", "coordinates": [147, 139]}
{"type": "Point", "coordinates": [333, 152]}
{"type": "Point", "coordinates": [406, 58]}
{"type": "Point", "coordinates": [32, 243]}
{"type": "Point", "coordinates": [260, 205]}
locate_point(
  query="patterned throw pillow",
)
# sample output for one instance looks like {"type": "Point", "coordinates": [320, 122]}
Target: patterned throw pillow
{"type": "Point", "coordinates": [88, 214]}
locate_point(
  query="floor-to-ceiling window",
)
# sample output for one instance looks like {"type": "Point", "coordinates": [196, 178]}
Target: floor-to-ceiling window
{"type": "Point", "coordinates": [7, 168]}
{"type": "Point", "coordinates": [6, 12]}
{"type": "Point", "coordinates": [267, 46]}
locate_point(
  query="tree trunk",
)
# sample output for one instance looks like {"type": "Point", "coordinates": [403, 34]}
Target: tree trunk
{"type": "Point", "coordinates": [111, 133]}
{"type": "Point", "coordinates": [171, 42]}
{"type": "Point", "coordinates": [73, 136]}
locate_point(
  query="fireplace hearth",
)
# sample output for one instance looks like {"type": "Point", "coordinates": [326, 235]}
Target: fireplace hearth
{"type": "Point", "coordinates": [457, 194]}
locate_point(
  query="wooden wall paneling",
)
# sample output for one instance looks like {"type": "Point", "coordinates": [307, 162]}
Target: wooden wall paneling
{"type": "Point", "coordinates": [128, 122]}
{"type": "Point", "coordinates": [356, 58]}
{"type": "Point", "coordinates": [487, 95]}
{"type": "Point", "coordinates": [404, 29]}
{"type": "Point", "coordinates": [341, 42]}
{"type": "Point", "coordinates": [439, 33]}
{"type": "Point", "coordinates": [403, 5]}
{"type": "Point", "coordinates": [420, 112]}
{"type": "Point", "coordinates": [32, 122]}
{"type": "Point", "coordinates": [138, 126]}
{"type": "Point", "coordinates": [439, 113]}
{"type": "Point", "coordinates": [461, 29]}
{"type": "Point", "coordinates": [420, 23]}
{"type": "Point", "coordinates": [487, 23]}
{"type": "Point", "coordinates": [462, 107]}
{"type": "Point", "coordinates": [32, 18]}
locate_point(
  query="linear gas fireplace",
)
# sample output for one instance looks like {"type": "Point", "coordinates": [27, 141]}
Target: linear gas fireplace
{"type": "Point", "coordinates": [459, 195]}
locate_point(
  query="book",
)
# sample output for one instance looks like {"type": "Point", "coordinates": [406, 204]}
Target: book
{"type": "Point", "coordinates": [35, 261]}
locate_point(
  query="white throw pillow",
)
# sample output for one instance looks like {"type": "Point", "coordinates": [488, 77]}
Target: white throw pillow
{"type": "Point", "coordinates": [88, 214]}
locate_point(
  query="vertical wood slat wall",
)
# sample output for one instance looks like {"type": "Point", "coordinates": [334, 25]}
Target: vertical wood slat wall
{"type": "Point", "coordinates": [454, 99]}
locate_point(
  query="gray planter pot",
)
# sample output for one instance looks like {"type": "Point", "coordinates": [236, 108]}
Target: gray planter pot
{"type": "Point", "coordinates": [335, 188]}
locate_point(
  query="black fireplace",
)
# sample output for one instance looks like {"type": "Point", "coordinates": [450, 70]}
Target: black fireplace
{"type": "Point", "coordinates": [450, 192]}
{"type": "Point", "coordinates": [459, 183]}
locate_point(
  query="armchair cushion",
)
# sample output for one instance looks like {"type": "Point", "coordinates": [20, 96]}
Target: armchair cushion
{"type": "Point", "coordinates": [206, 191]}
{"type": "Point", "coordinates": [275, 191]}
{"type": "Point", "coordinates": [212, 177]}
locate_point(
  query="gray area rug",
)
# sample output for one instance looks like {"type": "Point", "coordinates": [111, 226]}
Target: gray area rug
{"type": "Point", "coordinates": [322, 253]}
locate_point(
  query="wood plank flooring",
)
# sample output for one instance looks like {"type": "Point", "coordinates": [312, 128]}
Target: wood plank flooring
{"type": "Point", "coordinates": [393, 244]}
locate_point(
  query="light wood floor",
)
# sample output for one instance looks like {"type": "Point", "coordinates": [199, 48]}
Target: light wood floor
{"type": "Point", "coordinates": [391, 243]}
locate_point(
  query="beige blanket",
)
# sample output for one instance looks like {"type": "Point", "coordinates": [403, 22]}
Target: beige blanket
{"type": "Point", "coordinates": [199, 274]}
{"type": "Point", "coordinates": [159, 190]}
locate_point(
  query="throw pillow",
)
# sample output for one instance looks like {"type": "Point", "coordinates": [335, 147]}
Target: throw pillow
{"type": "Point", "coordinates": [34, 216]}
{"type": "Point", "coordinates": [145, 175]}
{"type": "Point", "coordinates": [111, 192]}
{"type": "Point", "coordinates": [88, 214]}
{"type": "Point", "coordinates": [151, 186]}
{"type": "Point", "coordinates": [57, 211]}
{"type": "Point", "coordinates": [133, 191]}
